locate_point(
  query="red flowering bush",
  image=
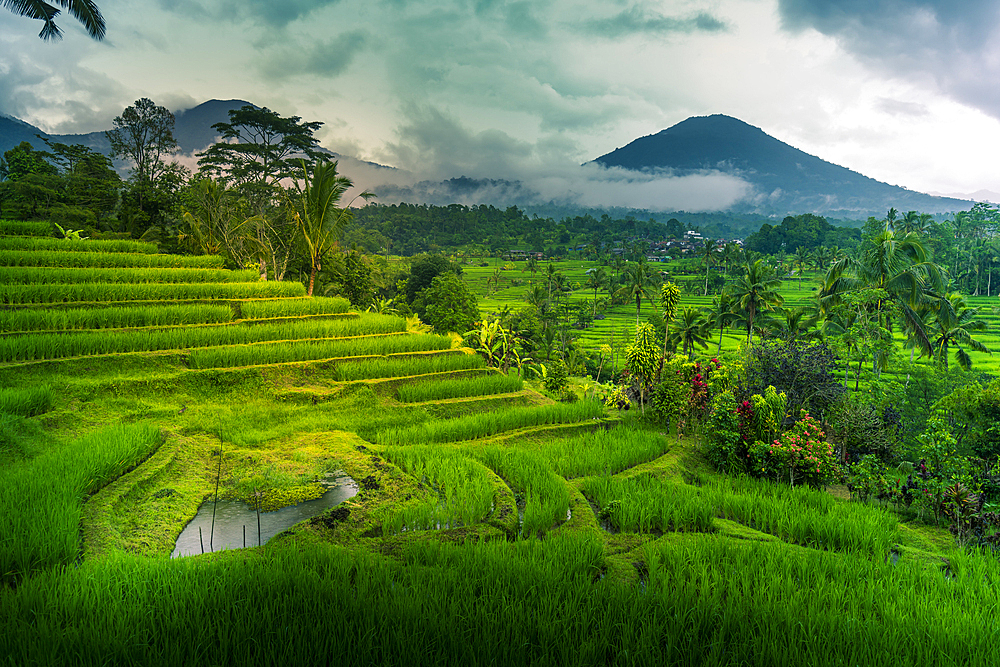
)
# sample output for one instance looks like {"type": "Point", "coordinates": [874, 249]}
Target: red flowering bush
{"type": "Point", "coordinates": [802, 455]}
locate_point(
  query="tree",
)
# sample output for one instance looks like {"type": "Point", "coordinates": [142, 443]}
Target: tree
{"type": "Point", "coordinates": [29, 184]}
{"type": "Point", "coordinates": [641, 358]}
{"type": "Point", "coordinates": [953, 322]}
{"type": "Point", "coordinates": [899, 265]}
{"type": "Point", "coordinates": [352, 278]}
{"type": "Point", "coordinates": [639, 282]}
{"type": "Point", "coordinates": [690, 329]}
{"type": "Point", "coordinates": [597, 279]}
{"type": "Point", "coordinates": [448, 304]}
{"type": "Point", "coordinates": [258, 149]}
{"type": "Point", "coordinates": [756, 291]}
{"type": "Point", "coordinates": [144, 135]}
{"type": "Point", "coordinates": [423, 270]}
{"type": "Point", "coordinates": [320, 220]}
{"type": "Point", "coordinates": [802, 258]}
{"type": "Point", "coordinates": [708, 252]}
{"type": "Point", "coordinates": [85, 11]}
{"type": "Point", "coordinates": [721, 315]}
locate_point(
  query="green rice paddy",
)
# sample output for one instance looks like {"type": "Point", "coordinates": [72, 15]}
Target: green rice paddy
{"type": "Point", "coordinates": [492, 524]}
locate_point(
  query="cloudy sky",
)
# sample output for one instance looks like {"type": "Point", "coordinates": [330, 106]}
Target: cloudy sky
{"type": "Point", "coordinates": [904, 91]}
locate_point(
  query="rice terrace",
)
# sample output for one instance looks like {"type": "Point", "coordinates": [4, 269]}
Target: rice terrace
{"type": "Point", "coordinates": [454, 388]}
{"type": "Point", "coordinates": [486, 522]}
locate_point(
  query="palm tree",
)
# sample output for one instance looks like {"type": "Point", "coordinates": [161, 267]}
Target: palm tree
{"type": "Point", "coordinates": [690, 329]}
{"type": "Point", "coordinates": [798, 324]}
{"type": "Point", "coordinates": [597, 279]}
{"type": "Point", "coordinates": [85, 11]}
{"type": "Point", "coordinates": [731, 253]}
{"type": "Point", "coordinates": [707, 252]}
{"type": "Point", "coordinates": [896, 263]}
{"type": "Point", "coordinates": [953, 321]}
{"type": "Point", "coordinates": [756, 292]}
{"type": "Point", "coordinates": [550, 274]}
{"type": "Point", "coordinates": [802, 257]}
{"type": "Point", "coordinates": [531, 265]}
{"type": "Point", "coordinates": [319, 219]}
{"type": "Point", "coordinates": [721, 315]}
{"type": "Point", "coordinates": [639, 282]}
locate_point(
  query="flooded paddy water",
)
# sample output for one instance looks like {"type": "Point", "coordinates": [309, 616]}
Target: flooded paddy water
{"type": "Point", "coordinates": [236, 523]}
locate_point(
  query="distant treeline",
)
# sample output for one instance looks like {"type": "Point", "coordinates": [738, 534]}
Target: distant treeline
{"type": "Point", "coordinates": [806, 231]}
{"type": "Point", "coordinates": [414, 228]}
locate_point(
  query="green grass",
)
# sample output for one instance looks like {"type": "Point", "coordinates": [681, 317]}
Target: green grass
{"type": "Point", "coordinates": [461, 489]}
{"type": "Point", "coordinates": [25, 228]}
{"type": "Point", "coordinates": [644, 503]}
{"type": "Point", "coordinates": [59, 345]}
{"type": "Point", "coordinates": [484, 425]}
{"type": "Point", "coordinates": [26, 402]}
{"type": "Point", "coordinates": [318, 305]}
{"type": "Point", "coordinates": [58, 258]}
{"type": "Point", "coordinates": [544, 496]}
{"type": "Point", "coordinates": [602, 451]}
{"type": "Point", "coordinates": [436, 390]}
{"type": "Point", "coordinates": [112, 317]}
{"type": "Point", "coordinates": [31, 275]}
{"type": "Point", "coordinates": [350, 371]}
{"type": "Point", "coordinates": [310, 350]}
{"type": "Point", "coordinates": [804, 516]}
{"type": "Point", "coordinates": [72, 245]}
{"type": "Point", "coordinates": [104, 292]}
{"type": "Point", "coordinates": [40, 499]}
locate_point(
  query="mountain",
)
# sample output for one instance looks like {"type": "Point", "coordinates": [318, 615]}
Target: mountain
{"type": "Point", "coordinates": [784, 179]}
{"type": "Point", "coordinates": [192, 129]}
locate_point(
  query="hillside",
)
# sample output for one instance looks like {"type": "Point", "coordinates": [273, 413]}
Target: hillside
{"type": "Point", "coordinates": [785, 179]}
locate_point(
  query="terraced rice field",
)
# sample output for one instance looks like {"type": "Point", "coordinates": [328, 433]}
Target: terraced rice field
{"type": "Point", "coordinates": [492, 525]}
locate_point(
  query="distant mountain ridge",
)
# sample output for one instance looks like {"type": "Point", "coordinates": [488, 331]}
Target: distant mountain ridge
{"type": "Point", "coordinates": [192, 129]}
{"type": "Point", "coordinates": [785, 179]}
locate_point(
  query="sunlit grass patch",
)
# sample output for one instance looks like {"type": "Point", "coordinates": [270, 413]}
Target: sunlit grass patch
{"type": "Point", "coordinates": [112, 317]}
{"type": "Point", "coordinates": [476, 426]}
{"type": "Point", "coordinates": [40, 499]}
{"type": "Point", "coordinates": [33, 275]}
{"type": "Point", "coordinates": [435, 390]}
{"type": "Point", "coordinates": [58, 258]}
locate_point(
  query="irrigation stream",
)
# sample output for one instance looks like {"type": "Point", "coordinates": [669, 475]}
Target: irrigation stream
{"type": "Point", "coordinates": [236, 522]}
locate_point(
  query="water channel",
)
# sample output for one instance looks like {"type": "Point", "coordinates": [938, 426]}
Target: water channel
{"type": "Point", "coordinates": [236, 522]}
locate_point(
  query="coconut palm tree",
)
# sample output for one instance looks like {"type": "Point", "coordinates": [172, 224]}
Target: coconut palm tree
{"type": "Point", "coordinates": [797, 324]}
{"type": "Point", "coordinates": [802, 258]}
{"type": "Point", "coordinates": [316, 212]}
{"type": "Point", "coordinates": [690, 329]}
{"type": "Point", "coordinates": [639, 281]}
{"type": "Point", "coordinates": [953, 322]}
{"type": "Point", "coordinates": [897, 264]}
{"type": "Point", "coordinates": [720, 315]}
{"type": "Point", "coordinates": [708, 253]}
{"type": "Point", "coordinates": [85, 11]}
{"type": "Point", "coordinates": [756, 292]}
{"type": "Point", "coordinates": [597, 279]}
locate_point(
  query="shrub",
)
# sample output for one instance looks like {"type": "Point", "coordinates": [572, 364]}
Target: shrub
{"type": "Point", "coordinates": [556, 377]}
{"type": "Point", "coordinates": [723, 442]}
{"type": "Point", "coordinates": [801, 455]}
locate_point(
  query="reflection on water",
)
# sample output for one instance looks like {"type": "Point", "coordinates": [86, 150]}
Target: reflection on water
{"type": "Point", "coordinates": [236, 522]}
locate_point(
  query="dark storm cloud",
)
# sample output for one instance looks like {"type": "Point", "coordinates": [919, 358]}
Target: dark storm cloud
{"type": "Point", "coordinates": [952, 45]}
{"type": "Point", "coordinates": [638, 20]}
{"type": "Point", "coordinates": [325, 59]}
